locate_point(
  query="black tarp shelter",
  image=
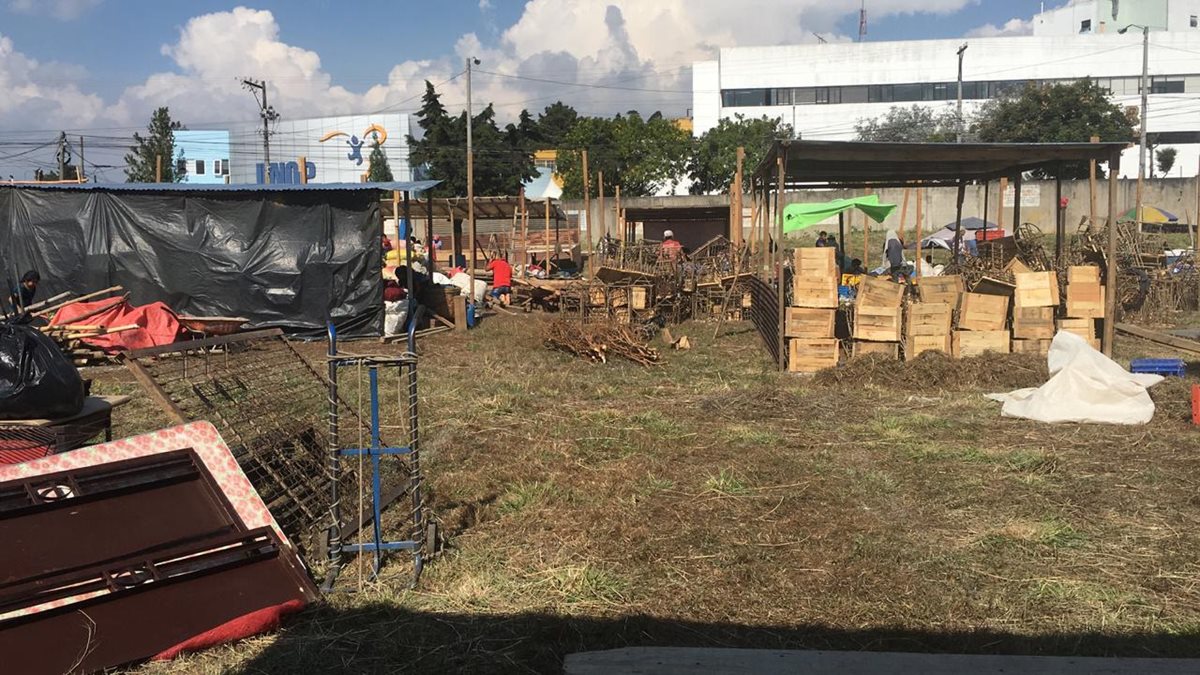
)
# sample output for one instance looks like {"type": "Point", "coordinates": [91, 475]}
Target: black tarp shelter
{"type": "Point", "coordinates": [280, 255]}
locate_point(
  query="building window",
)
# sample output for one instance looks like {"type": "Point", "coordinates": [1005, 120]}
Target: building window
{"type": "Point", "coordinates": [199, 167]}
{"type": "Point", "coordinates": [737, 98]}
{"type": "Point", "coordinates": [1192, 21]}
{"type": "Point", "coordinates": [225, 167]}
{"type": "Point", "coordinates": [1085, 26]}
{"type": "Point", "coordinates": [854, 95]}
{"type": "Point", "coordinates": [216, 167]}
{"type": "Point", "coordinates": [1166, 85]}
{"type": "Point", "coordinates": [781, 97]}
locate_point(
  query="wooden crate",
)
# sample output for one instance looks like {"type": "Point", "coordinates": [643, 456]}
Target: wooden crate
{"type": "Point", "coordinates": [1085, 300]}
{"type": "Point", "coordinates": [815, 263]}
{"type": "Point", "coordinates": [879, 292]}
{"type": "Point", "coordinates": [1033, 323]}
{"type": "Point", "coordinates": [976, 342]}
{"type": "Point", "coordinates": [979, 311]}
{"type": "Point", "coordinates": [889, 349]}
{"type": "Point", "coordinates": [945, 289]}
{"type": "Point", "coordinates": [597, 297]}
{"type": "Point", "coordinates": [931, 319]}
{"type": "Point", "coordinates": [814, 293]}
{"type": "Point", "coordinates": [747, 300]}
{"type": "Point", "coordinates": [1084, 328]}
{"type": "Point", "coordinates": [618, 297]}
{"type": "Point", "coordinates": [1036, 289]}
{"type": "Point", "coordinates": [802, 322]}
{"type": "Point", "coordinates": [811, 355]}
{"type": "Point", "coordinates": [1085, 274]}
{"type": "Point", "coordinates": [915, 345]}
{"type": "Point", "coordinates": [877, 324]}
{"type": "Point", "coordinates": [640, 297]}
{"type": "Point", "coordinates": [1020, 346]}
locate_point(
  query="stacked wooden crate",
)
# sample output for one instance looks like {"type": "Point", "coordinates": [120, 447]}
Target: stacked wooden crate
{"type": "Point", "coordinates": [929, 322]}
{"type": "Point", "coordinates": [982, 321]}
{"type": "Point", "coordinates": [877, 316]}
{"type": "Point", "coordinates": [1085, 303]}
{"type": "Point", "coordinates": [809, 323]}
{"type": "Point", "coordinates": [1035, 304]}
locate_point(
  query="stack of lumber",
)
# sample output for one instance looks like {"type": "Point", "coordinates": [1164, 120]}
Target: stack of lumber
{"type": "Point", "coordinates": [809, 321]}
{"type": "Point", "coordinates": [1085, 303]}
{"type": "Point", "coordinates": [929, 323]}
{"type": "Point", "coordinates": [878, 309]}
{"type": "Point", "coordinates": [982, 321]}
{"type": "Point", "coordinates": [1035, 303]}
{"type": "Point", "coordinates": [70, 337]}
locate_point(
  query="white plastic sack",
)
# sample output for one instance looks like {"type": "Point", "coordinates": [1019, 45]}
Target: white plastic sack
{"type": "Point", "coordinates": [393, 317]}
{"type": "Point", "coordinates": [1084, 386]}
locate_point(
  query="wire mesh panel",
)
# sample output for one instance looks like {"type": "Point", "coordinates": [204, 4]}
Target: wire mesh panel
{"type": "Point", "coordinates": [271, 406]}
{"type": "Point", "coordinates": [764, 313]}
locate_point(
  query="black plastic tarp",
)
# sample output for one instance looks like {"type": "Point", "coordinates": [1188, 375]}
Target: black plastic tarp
{"type": "Point", "coordinates": [288, 258]}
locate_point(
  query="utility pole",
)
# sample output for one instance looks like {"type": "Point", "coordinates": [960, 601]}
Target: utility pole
{"type": "Point", "coordinates": [587, 214]}
{"type": "Point", "coordinates": [62, 155]}
{"type": "Point", "coordinates": [268, 115]}
{"type": "Point", "coordinates": [1145, 87]}
{"type": "Point", "coordinates": [959, 135]}
{"type": "Point", "coordinates": [862, 22]}
{"type": "Point", "coordinates": [471, 183]}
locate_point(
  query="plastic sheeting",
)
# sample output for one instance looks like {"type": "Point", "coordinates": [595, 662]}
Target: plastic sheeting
{"type": "Point", "coordinates": [36, 380]}
{"type": "Point", "coordinates": [1084, 386]}
{"type": "Point", "coordinates": [156, 324]}
{"type": "Point", "coordinates": [278, 258]}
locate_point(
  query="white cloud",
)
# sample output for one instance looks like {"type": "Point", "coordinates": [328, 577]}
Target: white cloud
{"type": "Point", "coordinates": [1010, 27]}
{"type": "Point", "coordinates": [41, 94]}
{"type": "Point", "coordinates": [485, 5]}
{"type": "Point", "coordinates": [62, 9]}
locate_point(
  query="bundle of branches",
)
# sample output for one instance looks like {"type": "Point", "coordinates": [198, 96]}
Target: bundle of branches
{"type": "Point", "coordinates": [596, 342]}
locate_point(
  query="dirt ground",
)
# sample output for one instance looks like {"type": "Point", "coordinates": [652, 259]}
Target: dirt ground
{"type": "Point", "coordinates": [712, 501]}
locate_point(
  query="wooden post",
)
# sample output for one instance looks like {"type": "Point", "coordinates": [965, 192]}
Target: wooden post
{"type": "Point", "coordinates": [396, 220]}
{"type": "Point", "coordinates": [157, 169]}
{"type": "Point", "coordinates": [841, 250]}
{"type": "Point", "coordinates": [1060, 225]}
{"type": "Point", "coordinates": [460, 313]}
{"type": "Point", "coordinates": [546, 205]}
{"type": "Point", "coordinates": [454, 240]}
{"type": "Point", "coordinates": [433, 262]}
{"type": "Point", "coordinates": [735, 233]}
{"type": "Point", "coordinates": [303, 170]}
{"type": "Point", "coordinates": [866, 228]}
{"type": "Point", "coordinates": [958, 208]}
{"type": "Point", "coordinates": [1000, 203]}
{"type": "Point", "coordinates": [79, 170]}
{"type": "Point", "coordinates": [587, 214]}
{"type": "Point", "coordinates": [920, 221]}
{"type": "Point", "coordinates": [903, 213]}
{"type": "Point", "coordinates": [1110, 291]}
{"type": "Point", "coordinates": [617, 210]}
{"type": "Point", "coordinates": [780, 291]}
{"type": "Point", "coordinates": [510, 250]}
{"type": "Point", "coordinates": [1092, 189]}
{"type": "Point", "coordinates": [1193, 228]}
{"type": "Point", "coordinates": [524, 259]}
{"type": "Point", "coordinates": [1017, 200]}
{"type": "Point", "coordinates": [600, 196]}
{"type": "Point", "coordinates": [754, 208]}
{"type": "Point", "coordinates": [987, 190]}
{"type": "Point", "coordinates": [471, 215]}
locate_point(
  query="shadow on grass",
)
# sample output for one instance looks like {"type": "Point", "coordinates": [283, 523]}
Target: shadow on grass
{"type": "Point", "coordinates": [385, 638]}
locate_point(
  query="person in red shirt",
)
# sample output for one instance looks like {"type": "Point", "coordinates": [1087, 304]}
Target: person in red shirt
{"type": "Point", "coordinates": [671, 249]}
{"type": "Point", "coordinates": [501, 280]}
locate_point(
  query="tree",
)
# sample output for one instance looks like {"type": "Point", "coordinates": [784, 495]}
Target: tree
{"type": "Point", "coordinates": [554, 123]}
{"type": "Point", "coordinates": [643, 156]}
{"type": "Point", "coordinates": [915, 124]}
{"type": "Point", "coordinates": [143, 157]}
{"type": "Point", "coordinates": [502, 158]}
{"type": "Point", "coordinates": [1060, 113]}
{"type": "Point", "coordinates": [380, 171]}
{"type": "Point", "coordinates": [1166, 159]}
{"type": "Point", "coordinates": [714, 157]}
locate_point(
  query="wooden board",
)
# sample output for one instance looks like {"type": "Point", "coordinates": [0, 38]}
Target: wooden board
{"type": "Point", "coordinates": [1036, 289]}
{"type": "Point", "coordinates": [1088, 274]}
{"type": "Point", "coordinates": [976, 342]}
{"type": "Point", "coordinates": [1085, 300]}
{"type": "Point", "coordinates": [1084, 328]}
{"type": "Point", "coordinates": [879, 292]}
{"type": "Point", "coordinates": [889, 349]}
{"type": "Point", "coordinates": [803, 322]}
{"type": "Point", "coordinates": [811, 355]}
{"type": "Point", "coordinates": [1033, 323]}
{"type": "Point", "coordinates": [980, 311]}
{"type": "Point", "coordinates": [816, 294]}
{"type": "Point", "coordinates": [1021, 346]}
{"type": "Point", "coordinates": [877, 324]}
{"type": "Point", "coordinates": [932, 319]}
{"type": "Point", "coordinates": [1174, 341]}
{"type": "Point", "coordinates": [640, 297]}
{"type": "Point", "coordinates": [944, 289]}
{"type": "Point", "coordinates": [815, 263]}
{"type": "Point", "coordinates": [915, 345]}
{"type": "Point", "coordinates": [1015, 266]}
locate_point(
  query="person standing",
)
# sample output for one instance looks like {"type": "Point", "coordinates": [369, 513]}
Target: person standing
{"type": "Point", "coordinates": [671, 249]}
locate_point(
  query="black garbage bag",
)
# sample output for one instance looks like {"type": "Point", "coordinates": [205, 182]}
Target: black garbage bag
{"type": "Point", "coordinates": [36, 379]}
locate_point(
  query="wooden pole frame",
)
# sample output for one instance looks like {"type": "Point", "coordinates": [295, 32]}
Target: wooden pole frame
{"type": "Point", "coordinates": [780, 291]}
{"type": "Point", "coordinates": [1092, 188]}
{"type": "Point", "coordinates": [919, 223]}
{"type": "Point", "coordinates": [735, 199]}
{"type": "Point", "coordinates": [587, 214]}
{"type": "Point", "coordinates": [1110, 291]}
{"type": "Point", "coordinates": [1000, 202]}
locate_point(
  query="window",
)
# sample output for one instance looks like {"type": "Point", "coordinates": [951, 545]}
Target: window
{"type": "Point", "coordinates": [913, 92]}
{"type": "Point", "coordinates": [216, 167]}
{"type": "Point", "coordinates": [804, 96]}
{"type": "Point", "coordinates": [1166, 85]}
{"type": "Point", "coordinates": [199, 167]}
{"type": "Point", "coordinates": [181, 166]}
{"type": "Point", "coordinates": [854, 94]}
{"type": "Point", "coordinates": [1085, 26]}
{"type": "Point", "coordinates": [736, 98]}
{"type": "Point", "coordinates": [781, 97]}
{"type": "Point", "coordinates": [225, 167]}
{"type": "Point", "coordinates": [1193, 21]}
{"type": "Point", "coordinates": [881, 93]}
{"type": "Point", "coordinates": [828, 95]}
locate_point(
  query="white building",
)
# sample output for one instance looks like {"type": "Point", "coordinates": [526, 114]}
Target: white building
{"type": "Point", "coordinates": [823, 90]}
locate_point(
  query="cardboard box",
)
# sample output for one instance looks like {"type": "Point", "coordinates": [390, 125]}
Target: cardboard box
{"type": "Point", "coordinates": [815, 263]}
{"type": "Point", "coordinates": [809, 356]}
{"type": "Point", "coordinates": [1033, 323]}
{"type": "Point", "coordinates": [802, 322]}
{"type": "Point", "coordinates": [929, 319]}
{"type": "Point", "coordinates": [1036, 289]}
{"type": "Point", "coordinates": [877, 324]}
{"type": "Point", "coordinates": [944, 289]}
{"type": "Point", "coordinates": [1022, 346]}
{"type": "Point", "coordinates": [976, 342]}
{"type": "Point", "coordinates": [915, 345]}
{"type": "Point", "coordinates": [814, 293]}
{"type": "Point", "coordinates": [889, 349]}
{"type": "Point", "coordinates": [979, 311]}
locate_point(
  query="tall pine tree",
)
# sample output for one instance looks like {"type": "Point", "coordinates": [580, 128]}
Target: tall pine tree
{"type": "Point", "coordinates": [380, 171]}
{"type": "Point", "coordinates": [143, 157]}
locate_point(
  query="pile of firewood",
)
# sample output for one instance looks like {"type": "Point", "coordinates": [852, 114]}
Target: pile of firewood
{"type": "Point", "coordinates": [597, 342]}
{"type": "Point", "coordinates": [71, 337]}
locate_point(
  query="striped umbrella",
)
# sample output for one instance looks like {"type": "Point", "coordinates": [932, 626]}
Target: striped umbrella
{"type": "Point", "coordinates": [1151, 214]}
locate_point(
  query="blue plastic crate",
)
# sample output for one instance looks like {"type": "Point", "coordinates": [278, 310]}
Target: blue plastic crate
{"type": "Point", "coordinates": [1174, 367]}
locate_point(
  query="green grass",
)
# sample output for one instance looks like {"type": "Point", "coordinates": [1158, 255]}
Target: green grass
{"type": "Point", "coordinates": [726, 482]}
{"type": "Point", "coordinates": [522, 496]}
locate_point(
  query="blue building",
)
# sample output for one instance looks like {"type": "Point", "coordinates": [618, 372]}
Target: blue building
{"type": "Point", "coordinates": [204, 155]}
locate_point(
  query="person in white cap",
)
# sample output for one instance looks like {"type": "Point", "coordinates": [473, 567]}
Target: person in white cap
{"type": "Point", "coordinates": [671, 249]}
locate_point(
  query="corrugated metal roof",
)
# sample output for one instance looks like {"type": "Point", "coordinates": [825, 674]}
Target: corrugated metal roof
{"type": "Point", "coordinates": [412, 187]}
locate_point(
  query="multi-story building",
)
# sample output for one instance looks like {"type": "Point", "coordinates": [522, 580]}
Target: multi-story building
{"type": "Point", "coordinates": [824, 90]}
{"type": "Point", "coordinates": [204, 155]}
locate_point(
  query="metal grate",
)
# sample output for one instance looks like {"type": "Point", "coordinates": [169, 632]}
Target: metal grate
{"type": "Point", "coordinates": [764, 313]}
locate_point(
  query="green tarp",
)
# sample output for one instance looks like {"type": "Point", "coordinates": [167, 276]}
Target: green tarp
{"type": "Point", "coordinates": [800, 216]}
